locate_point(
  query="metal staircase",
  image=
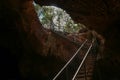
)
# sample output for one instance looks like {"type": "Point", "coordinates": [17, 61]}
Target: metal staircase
{"type": "Point", "coordinates": [81, 64]}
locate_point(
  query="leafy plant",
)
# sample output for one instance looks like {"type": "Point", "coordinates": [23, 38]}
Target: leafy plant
{"type": "Point", "coordinates": [57, 19]}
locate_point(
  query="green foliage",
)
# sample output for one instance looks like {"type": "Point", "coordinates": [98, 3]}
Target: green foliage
{"type": "Point", "coordinates": [56, 18]}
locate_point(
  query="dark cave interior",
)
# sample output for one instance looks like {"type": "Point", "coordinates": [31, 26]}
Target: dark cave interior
{"type": "Point", "coordinates": [102, 16]}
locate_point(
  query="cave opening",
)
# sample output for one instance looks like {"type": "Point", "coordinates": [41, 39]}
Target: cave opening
{"type": "Point", "coordinates": [24, 45]}
{"type": "Point", "coordinates": [57, 19]}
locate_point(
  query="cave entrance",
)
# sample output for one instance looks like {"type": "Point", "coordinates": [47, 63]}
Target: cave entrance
{"type": "Point", "coordinates": [57, 19]}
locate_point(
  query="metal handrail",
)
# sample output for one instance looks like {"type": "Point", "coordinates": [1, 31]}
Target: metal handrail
{"type": "Point", "coordinates": [83, 60]}
{"type": "Point", "coordinates": [70, 60]}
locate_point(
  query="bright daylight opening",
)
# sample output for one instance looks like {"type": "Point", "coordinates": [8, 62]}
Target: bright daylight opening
{"type": "Point", "coordinates": [57, 19]}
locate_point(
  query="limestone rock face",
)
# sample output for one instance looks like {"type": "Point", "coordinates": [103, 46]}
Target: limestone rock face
{"type": "Point", "coordinates": [102, 16]}
{"type": "Point", "coordinates": [38, 53]}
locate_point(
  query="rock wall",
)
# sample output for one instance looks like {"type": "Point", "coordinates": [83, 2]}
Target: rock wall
{"type": "Point", "coordinates": [104, 17]}
{"type": "Point", "coordinates": [28, 51]}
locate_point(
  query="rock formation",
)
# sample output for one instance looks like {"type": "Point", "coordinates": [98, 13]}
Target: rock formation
{"type": "Point", "coordinates": [37, 53]}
